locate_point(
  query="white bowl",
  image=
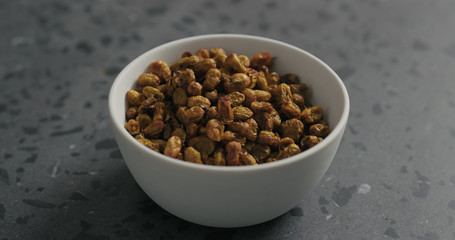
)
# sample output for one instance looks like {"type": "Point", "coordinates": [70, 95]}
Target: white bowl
{"type": "Point", "coordinates": [222, 196]}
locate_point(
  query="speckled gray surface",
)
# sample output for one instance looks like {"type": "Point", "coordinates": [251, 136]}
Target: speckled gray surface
{"type": "Point", "coordinates": [62, 176]}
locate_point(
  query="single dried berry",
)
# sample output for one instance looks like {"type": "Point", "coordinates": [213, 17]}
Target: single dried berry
{"type": "Point", "coordinates": [236, 98]}
{"type": "Point", "coordinates": [246, 159]}
{"type": "Point", "coordinates": [192, 155]}
{"type": "Point", "coordinates": [290, 110]}
{"type": "Point", "coordinates": [154, 129]}
{"type": "Point", "coordinates": [264, 120]}
{"type": "Point", "coordinates": [299, 100]}
{"type": "Point", "coordinates": [185, 77]}
{"type": "Point", "coordinates": [146, 142]}
{"type": "Point", "coordinates": [151, 92]}
{"type": "Point", "coordinates": [200, 101]}
{"type": "Point", "coordinates": [194, 88]}
{"type": "Point", "coordinates": [133, 127]}
{"type": "Point", "coordinates": [250, 96]}
{"type": "Point", "coordinates": [216, 51]}
{"type": "Point", "coordinates": [134, 97]}
{"type": "Point", "coordinates": [144, 120]}
{"type": "Point", "coordinates": [235, 63]}
{"type": "Point", "coordinates": [236, 82]}
{"type": "Point", "coordinates": [193, 114]}
{"type": "Point", "coordinates": [282, 94]}
{"type": "Point", "coordinates": [211, 113]}
{"type": "Point", "coordinates": [180, 97]}
{"type": "Point", "coordinates": [268, 138]}
{"type": "Point", "coordinates": [261, 152]}
{"type": "Point", "coordinates": [311, 115]}
{"type": "Point", "coordinates": [148, 79]}
{"type": "Point", "coordinates": [285, 142]}
{"type": "Point", "coordinates": [233, 150]}
{"type": "Point", "coordinates": [203, 53]}
{"type": "Point", "coordinates": [131, 113]}
{"type": "Point", "coordinates": [261, 107]}
{"type": "Point", "coordinates": [273, 78]}
{"type": "Point", "coordinates": [173, 147]}
{"type": "Point", "coordinates": [203, 66]}
{"type": "Point", "coordinates": [319, 130]}
{"type": "Point", "coordinates": [242, 113]}
{"type": "Point", "coordinates": [187, 62]}
{"type": "Point", "coordinates": [310, 141]}
{"type": "Point", "coordinates": [252, 132]}
{"type": "Point", "coordinates": [239, 127]}
{"type": "Point", "coordinates": [214, 130]}
{"type": "Point", "coordinates": [229, 136]}
{"type": "Point", "coordinates": [161, 69]}
{"type": "Point", "coordinates": [225, 113]}
{"type": "Point", "coordinates": [288, 151]}
{"type": "Point", "coordinates": [260, 60]}
{"type": "Point", "coordinates": [219, 158]}
{"type": "Point", "coordinates": [292, 128]}
{"type": "Point", "coordinates": [212, 79]}
{"type": "Point", "coordinates": [262, 96]}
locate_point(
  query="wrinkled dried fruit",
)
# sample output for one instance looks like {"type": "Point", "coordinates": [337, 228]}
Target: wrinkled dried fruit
{"type": "Point", "coordinates": [192, 155]}
{"type": "Point", "coordinates": [225, 113]}
{"type": "Point", "coordinates": [309, 141]}
{"type": "Point", "coordinates": [180, 97]}
{"type": "Point", "coordinates": [235, 63]}
{"type": "Point", "coordinates": [133, 127]}
{"type": "Point", "coordinates": [146, 142]}
{"type": "Point", "coordinates": [161, 69]}
{"type": "Point", "coordinates": [242, 113]}
{"type": "Point", "coordinates": [151, 92]}
{"type": "Point", "coordinates": [214, 130]}
{"type": "Point", "coordinates": [292, 128]}
{"type": "Point", "coordinates": [134, 97]}
{"type": "Point", "coordinates": [148, 79]}
{"type": "Point", "coordinates": [212, 79]}
{"type": "Point", "coordinates": [260, 60]}
{"type": "Point", "coordinates": [319, 130]}
{"type": "Point", "coordinates": [200, 101]}
{"type": "Point", "coordinates": [233, 150]}
{"type": "Point", "coordinates": [290, 150]}
{"type": "Point", "coordinates": [131, 113]}
{"type": "Point", "coordinates": [246, 159]}
{"type": "Point", "coordinates": [311, 115]}
{"type": "Point", "coordinates": [236, 98]}
{"type": "Point", "coordinates": [173, 147]}
{"type": "Point", "coordinates": [144, 120]}
{"type": "Point", "coordinates": [268, 138]}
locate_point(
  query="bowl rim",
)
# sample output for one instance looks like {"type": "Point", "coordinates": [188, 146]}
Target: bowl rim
{"type": "Point", "coordinates": [338, 130]}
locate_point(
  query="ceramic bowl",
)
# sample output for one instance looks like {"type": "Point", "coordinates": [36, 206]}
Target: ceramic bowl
{"type": "Point", "coordinates": [222, 196]}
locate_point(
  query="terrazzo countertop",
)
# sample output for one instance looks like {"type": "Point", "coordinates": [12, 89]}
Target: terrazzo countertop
{"type": "Point", "coordinates": [63, 177]}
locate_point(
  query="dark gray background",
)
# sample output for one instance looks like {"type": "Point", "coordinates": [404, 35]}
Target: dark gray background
{"type": "Point", "coordinates": [62, 176]}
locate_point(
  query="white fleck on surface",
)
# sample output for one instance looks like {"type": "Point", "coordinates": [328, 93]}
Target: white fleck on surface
{"type": "Point", "coordinates": [328, 217]}
{"type": "Point", "coordinates": [55, 170]}
{"type": "Point", "coordinates": [72, 146]}
{"type": "Point", "coordinates": [364, 188]}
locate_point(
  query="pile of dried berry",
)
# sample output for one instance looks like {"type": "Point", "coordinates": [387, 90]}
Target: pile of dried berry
{"type": "Point", "coordinates": [219, 109]}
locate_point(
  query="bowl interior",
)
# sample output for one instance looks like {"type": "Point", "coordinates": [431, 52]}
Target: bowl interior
{"type": "Point", "coordinates": [327, 89]}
